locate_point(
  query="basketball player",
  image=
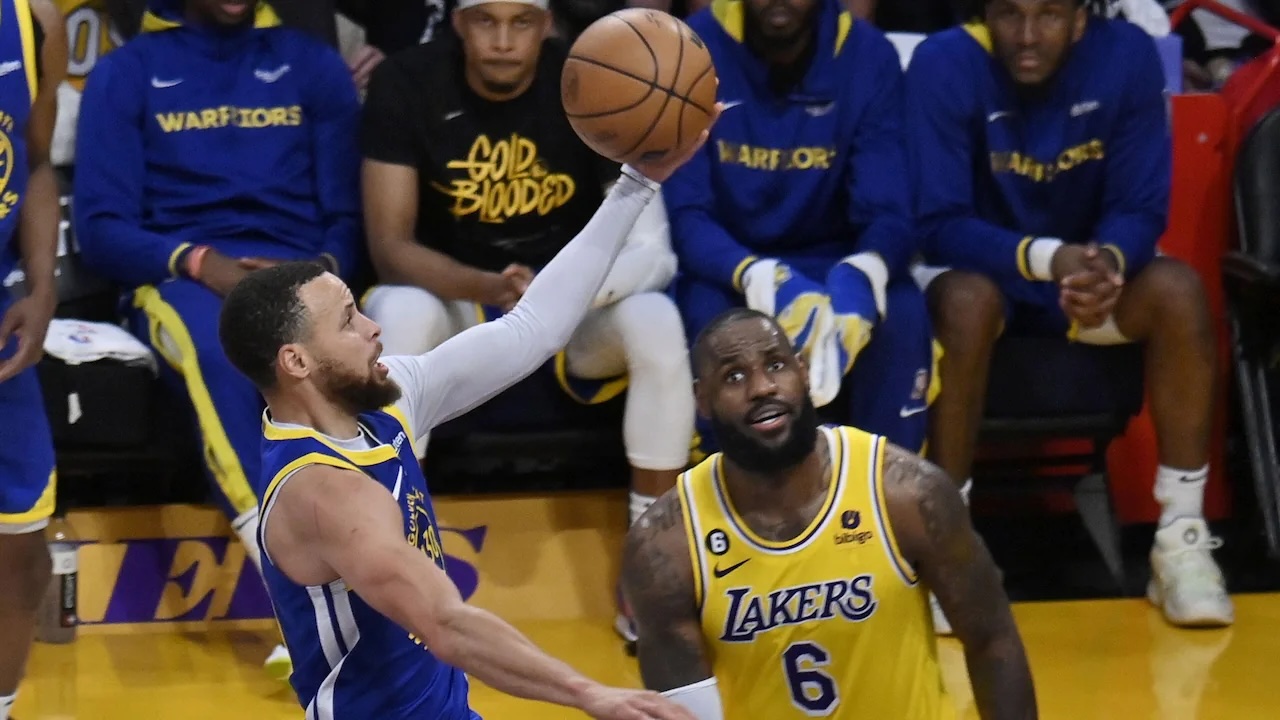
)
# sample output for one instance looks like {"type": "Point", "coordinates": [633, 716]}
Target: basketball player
{"type": "Point", "coordinates": [93, 31]}
{"type": "Point", "coordinates": [214, 142]}
{"type": "Point", "coordinates": [377, 627]}
{"type": "Point", "coordinates": [33, 62]}
{"type": "Point", "coordinates": [787, 576]}
{"type": "Point", "coordinates": [473, 180]}
{"type": "Point", "coordinates": [1040, 140]}
{"type": "Point", "coordinates": [800, 207]}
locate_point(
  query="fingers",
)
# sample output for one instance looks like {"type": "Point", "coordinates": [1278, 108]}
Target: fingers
{"type": "Point", "coordinates": [364, 63]}
{"type": "Point", "coordinates": [251, 263]}
{"type": "Point", "coordinates": [28, 354]}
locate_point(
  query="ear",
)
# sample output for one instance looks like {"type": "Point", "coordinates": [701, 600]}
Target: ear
{"type": "Point", "coordinates": [702, 402]}
{"type": "Point", "coordinates": [294, 361]}
{"type": "Point", "coordinates": [455, 18]}
{"type": "Point", "coordinates": [1081, 20]}
{"type": "Point", "coordinates": [804, 370]}
{"type": "Point", "coordinates": [548, 24]}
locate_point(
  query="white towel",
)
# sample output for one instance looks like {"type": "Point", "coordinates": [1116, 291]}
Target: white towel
{"type": "Point", "coordinates": [76, 341]}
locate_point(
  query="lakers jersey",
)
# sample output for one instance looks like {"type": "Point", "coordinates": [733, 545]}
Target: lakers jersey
{"type": "Point", "coordinates": [90, 34]}
{"type": "Point", "coordinates": [832, 623]}
{"type": "Point", "coordinates": [349, 660]}
{"type": "Point", "coordinates": [18, 79]}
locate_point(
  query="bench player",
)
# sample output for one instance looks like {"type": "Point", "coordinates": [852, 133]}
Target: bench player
{"type": "Point", "coordinates": [375, 626]}
{"type": "Point", "coordinates": [788, 575]}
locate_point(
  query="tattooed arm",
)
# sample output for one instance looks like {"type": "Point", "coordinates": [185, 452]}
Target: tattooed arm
{"type": "Point", "coordinates": [658, 580]}
{"type": "Point", "coordinates": [933, 530]}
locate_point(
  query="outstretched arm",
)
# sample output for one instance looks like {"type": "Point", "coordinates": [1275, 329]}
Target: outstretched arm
{"type": "Point", "coordinates": [657, 578]}
{"type": "Point", "coordinates": [325, 522]}
{"type": "Point", "coordinates": [932, 527]}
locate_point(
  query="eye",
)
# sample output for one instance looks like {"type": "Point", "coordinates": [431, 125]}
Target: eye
{"type": "Point", "coordinates": [776, 366]}
{"type": "Point", "coordinates": [734, 376]}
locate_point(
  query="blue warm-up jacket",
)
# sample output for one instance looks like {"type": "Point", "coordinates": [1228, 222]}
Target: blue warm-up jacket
{"type": "Point", "coordinates": [1088, 159]}
{"type": "Point", "coordinates": [817, 173]}
{"type": "Point", "coordinates": [240, 138]}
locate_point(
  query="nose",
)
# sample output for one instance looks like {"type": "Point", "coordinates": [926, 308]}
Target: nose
{"type": "Point", "coordinates": [502, 40]}
{"type": "Point", "coordinates": [762, 384]}
{"type": "Point", "coordinates": [1027, 33]}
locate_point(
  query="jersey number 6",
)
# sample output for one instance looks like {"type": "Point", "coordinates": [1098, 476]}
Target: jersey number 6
{"type": "Point", "coordinates": [812, 690]}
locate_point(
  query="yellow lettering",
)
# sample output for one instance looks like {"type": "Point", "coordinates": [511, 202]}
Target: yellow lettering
{"type": "Point", "coordinates": [505, 179]}
{"type": "Point", "coordinates": [759, 159]}
{"type": "Point", "coordinates": [801, 159]}
{"type": "Point", "coordinates": [196, 559]}
{"type": "Point", "coordinates": [209, 118]}
{"type": "Point", "coordinates": [726, 151]}
{"type": "Point", "coordinates": [193, 121]}
{"type": "Point", "coordinates": [169, 122]}
{"type": "Point", "coordinates": [295, 115]}
{"type": "Point", "coordinates": [279, 117]}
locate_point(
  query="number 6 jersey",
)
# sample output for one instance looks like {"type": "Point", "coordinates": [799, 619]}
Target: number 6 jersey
{"type": "Point", "coordinates": [832, 623]}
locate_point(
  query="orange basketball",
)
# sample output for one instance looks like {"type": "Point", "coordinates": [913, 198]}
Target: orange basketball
{"type": "Point", "coordinates": [638, 84]}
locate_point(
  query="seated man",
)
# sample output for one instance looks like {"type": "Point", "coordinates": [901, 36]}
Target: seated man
{"type": "Point", "coordinates": [798, 206]}
{"type": "Point", "coordinates": [473, 180]}
{"type": "Point", "coordinates": [1040, 145]}
{"type": "Point", "coordinates": [213, 143]}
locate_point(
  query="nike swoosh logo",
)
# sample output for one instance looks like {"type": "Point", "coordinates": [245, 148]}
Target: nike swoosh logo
{"type": "Point", "coordinates": [997, 115]}
{"type": "Point", "coordinates": [10, 66]}
{"type": "Point", "coordinates": [270, 76]}
{"type": "Point", "coordinates": [162, 84]}
{"type": "Point", "coordinates": [731, 104]}
{"type": "Point", "coordinates": [906, 412]}
{"type": "Point", "coordinates": [721, 573]}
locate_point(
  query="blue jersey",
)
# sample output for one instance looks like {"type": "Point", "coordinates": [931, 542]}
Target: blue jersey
{"type": "Point", "coordinates": [18, 76]}
{"type": "Point", "coordinates": [241, 138]}
{"type": "Point", "coordinates": [817, 171]}
{"type": "Point", "coordinates": [1087, 158]}
{"type": "Point", "coordinates": [350, 661]}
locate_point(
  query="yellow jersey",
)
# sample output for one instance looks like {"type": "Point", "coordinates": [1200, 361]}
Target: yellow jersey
{"type": "Point", "coordinates": [90, 35]}
{"type": "Point", "coordinates": [832, 623]}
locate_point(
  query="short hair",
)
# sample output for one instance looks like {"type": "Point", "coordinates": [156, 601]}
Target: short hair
{"type": "Point", "coordinates": [261, 314]}
{"type": "Point", "coordinates": [702, 343]}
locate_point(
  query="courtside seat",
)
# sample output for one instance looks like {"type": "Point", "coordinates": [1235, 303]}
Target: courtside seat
{"type": "Point", "coordinates": [1251, 278]}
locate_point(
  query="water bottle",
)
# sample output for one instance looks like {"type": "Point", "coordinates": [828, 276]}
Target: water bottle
{"type": "Point", "coordinates": [58, 616]}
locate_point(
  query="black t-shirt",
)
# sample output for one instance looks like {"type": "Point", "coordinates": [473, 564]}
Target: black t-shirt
{"type": "Point", "coordinates": [497, 182]}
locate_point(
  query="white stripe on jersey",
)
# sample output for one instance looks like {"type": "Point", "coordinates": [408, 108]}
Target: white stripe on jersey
{"type": "Point", "coordinates": [342, 610]}
{"type": "Point", "coordinates": [324, 626]}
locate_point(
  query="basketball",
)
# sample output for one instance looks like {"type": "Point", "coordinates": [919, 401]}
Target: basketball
{"type": "Point", "coordinates": [638, 84]}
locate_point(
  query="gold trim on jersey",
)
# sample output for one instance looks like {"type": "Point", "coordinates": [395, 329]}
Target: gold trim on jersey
{"type": "Point", "coordinates": [364, 458]}
{"type": "Point", "coordinates": [836, 451]}
{"type": "Point", "coordinates": [899, 562]}
{"type": "Point", "coordinates": [693, 529]}
{"type": "Point", "coordinates": [22, 8]}
{"type": "Point", "coordinates": [314, 458]}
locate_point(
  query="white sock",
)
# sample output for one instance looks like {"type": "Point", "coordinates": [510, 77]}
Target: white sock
{"type": "Point", "coordinates": [6, 704]}
{"type": "Point", "coordinates": [965, 489]}
{"type": "Point", "coordinates": [639, 503]}
{"type": "Point", "coordinates": [246, 527]}
{"type": "Point", "coordinates": [1180, 493]}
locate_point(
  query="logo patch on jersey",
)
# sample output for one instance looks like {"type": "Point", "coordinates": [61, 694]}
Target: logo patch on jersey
{"type": "Point", "coordinates": [422, 532]}
{"type": "Point", "coordinates": [850, 519]}
{"type": "Point", "coordinates": [505, 179]}
{"type": "Point", "coordinates": [230, 116]}
{"type": "Point", "coordinates": [751, 614]}
{"type": "Point", "coordinates": [1037, 171]}
{"type": "Point", "coordinates": [720, 572]}
{"type": "Point", "coordinates": [8, 198]}
{"type": "Point", "coordinates": [717, 542]}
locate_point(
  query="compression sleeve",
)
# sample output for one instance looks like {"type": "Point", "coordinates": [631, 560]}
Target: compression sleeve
{"type": "Point", "coordinates": [940, 151]}
{"type": "Point", "coordinates": [108, 183]}
{"type": "Point", "coordinates": [879, 197]}
{"type": "Point", "coordinates": [1139, 167]}
{"type": "Point", "coordinates": [334, 110]}
{"type": "Point", "coordinates": [701, 698]}
{"type": "Point", "coordinates": [484, 360]}
{"type": "Point", "coordinates": [704, 249]}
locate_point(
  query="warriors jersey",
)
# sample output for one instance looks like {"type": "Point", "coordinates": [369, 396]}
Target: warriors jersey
{"type": "Point", "coordinates": [832, 623]}
{"type": "Point", "coordinates": [18, 77]}
{"type": "Point", "coordinates": [349, 660]}
{"type": "Point", "coordinates": [90, 34]}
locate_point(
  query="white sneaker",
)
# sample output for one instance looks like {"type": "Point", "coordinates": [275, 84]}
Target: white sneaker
{"type": "Point", "coordinates": [279, 665]}
{"type": "Point", "coordinates": [1186, 583]}
{"type": "Point", "coordinates": [941, 626]}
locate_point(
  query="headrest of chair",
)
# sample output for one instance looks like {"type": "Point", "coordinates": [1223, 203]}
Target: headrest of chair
{"type": "Point", "coordinates": [1257, 187]}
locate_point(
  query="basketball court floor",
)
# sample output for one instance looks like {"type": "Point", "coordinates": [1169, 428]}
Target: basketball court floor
{"type": "Point", "coordinates": [1091, 659]}
{"type": "Point", "coordinates": [176, 624]}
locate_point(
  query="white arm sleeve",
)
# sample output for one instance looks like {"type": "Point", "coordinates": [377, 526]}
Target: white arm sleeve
{"type": "Point", "coordinates": [484, 360]}
{"type": "Point", "coordinates": [647, 262]}
{"type": "Point", "coordinates": [701, 698]}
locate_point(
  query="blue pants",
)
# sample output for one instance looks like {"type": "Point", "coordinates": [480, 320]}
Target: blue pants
{"type": "Point", "coordinates": [179, 320]}
{"type": "Point", "coordinates": [893, 379]}
{"type": "Point", "coordinates": [27, 479]}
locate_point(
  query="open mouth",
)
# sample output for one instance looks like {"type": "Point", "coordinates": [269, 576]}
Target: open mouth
{"type": "Point", "coordinates": [234, 7]}
{"type": "Point", "coordinates": [769, 417]}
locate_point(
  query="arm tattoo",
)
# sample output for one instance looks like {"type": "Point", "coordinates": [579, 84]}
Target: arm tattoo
{"type": "Point", "coordinates": [932, 525]}
{"type": "Point", "coordinates": [658, 580]}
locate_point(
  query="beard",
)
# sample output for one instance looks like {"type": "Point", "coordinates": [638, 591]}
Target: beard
{"type": "Point", "coordinates": [751, 455]}
{"type": "Point", "coordinates": [356, 394]}
{"type": "Point", "coordinates": [768, 40]}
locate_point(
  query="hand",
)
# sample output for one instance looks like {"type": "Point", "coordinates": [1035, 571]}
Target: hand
{"type": "Point", "coordinates": [520, 276]}
{"type": "Point", "coordinates": [256, 263]}
{"type": "Point", "coordinates": [660, 169]}
{"type": "Point", "coordinates": [1092, 286]}
{"type": "Point", "coordinates": [502, 290]}
{"type": "Point", "coordinates": [607, 703]}
{"type": "Point", "coordinates": [220, 273]}
{"type": "Point", "coordinates": [362, 64]}
{"type": "Point", "coordinates": [28, 321]}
